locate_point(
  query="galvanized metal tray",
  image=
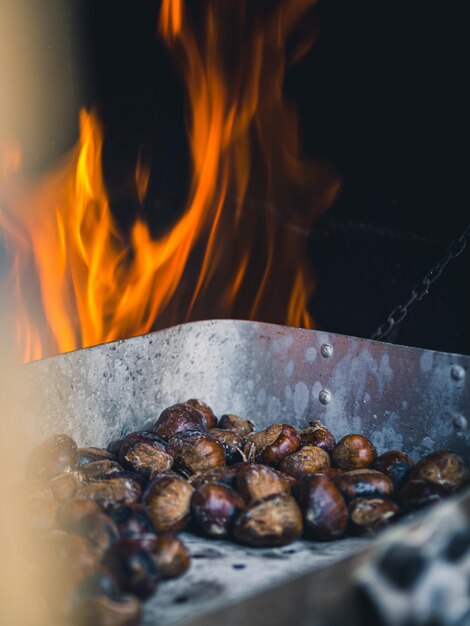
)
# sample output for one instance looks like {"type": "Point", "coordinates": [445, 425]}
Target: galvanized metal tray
{"type": "Point", "coordinates": [411, 399]}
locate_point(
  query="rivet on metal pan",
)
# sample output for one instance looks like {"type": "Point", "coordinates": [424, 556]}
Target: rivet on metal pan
{"type": "Point", "coordinates": [457, 372]}
{"type": "Point", "coordinates": [326, 350]}
{"type": "Point", "coordinates": [324, 396]}
{"type": "Point", "coordinates": [460, 423]}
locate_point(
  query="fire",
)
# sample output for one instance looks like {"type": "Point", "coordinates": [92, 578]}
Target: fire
{"type": "Point", "coordinates": [77, 280]}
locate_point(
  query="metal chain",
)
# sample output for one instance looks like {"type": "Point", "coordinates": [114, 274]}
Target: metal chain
{"type": "Point", "coordinates": [422, 287]}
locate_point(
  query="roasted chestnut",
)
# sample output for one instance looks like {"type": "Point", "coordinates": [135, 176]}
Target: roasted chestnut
{"type": "Point", "coordinates": [396, 465]}
{"type": "Point", "coordinates": [168, 499]}
{"type": "Point", "coordinates": [97, 470]}
{"type": "Point", "coordinates": [317, 435]}
{"type": "Point", "coordinates": [89, 455]}
{"type": "Point", "coordinates": [323, 507]}
{"type": "Point", "coordinates": [365, 483]}
{"type": "Point", "coordinates": [307, 460]}
{"type": "Point", "coordinates": [224, 475]}
{"type": "Point", "coordinates": [65, 486]}
{"type": "Point", "coordinates": [258, 482]}
{"type": "Point", "coordinates": [171, 556]}
{"type": "Point", "coordinates": [418, 493]}
{"type": "Point", "coordinates": [215, 507]}
{"type": "Point", "coordinates": [331, 472]}
{"type": "Point", "coordinates": [177, 418]}
{"type": "Point", "coordinates": [71, 512]}
{"type": "Point", "coordinates": [57, 455]}
{"type": "Point", "coordinates": [133, 520]}
{"type": "Point", "coordinates": [112, 493]}
{"type": "Point", "coordinates": [236, 424]}
{"type": "Point", "coordinates": [63, 549]}
{"type": "Point", "coordinates": [133, 566]}
{"type": "Point", "coordinates": [354, 452]}
{"type": "Point", "coordinates": [233, 444]}
{"type": "Point", "coordinates": [272, 444]}
{"type": "Point", "coordinates": [273, 522]}
{"type": "Point", "coordinates": [99, 529]}
{"type": "Point", "coordinates": [442, 467]}
{"type": "Point", "coordinates": [369, 514]}
{"type": "Point", "coordinates": [196, 452]}
{"type": "Point", "coordinates": [207, 413]}
{"type": "Point", "coordinates": [144, 453]}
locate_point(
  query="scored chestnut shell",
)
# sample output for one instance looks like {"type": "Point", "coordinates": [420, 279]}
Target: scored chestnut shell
{"type": "Point", "coordinates": [57, 455]}
{"type": "Point", "coordinates": [364, 483]}
{"type": "Point", "coordinates": [233, 444]}
{"type": "Point", "coordinates": [168, 500]}
{"type": "Point", "coordinates": [207, 413]}
{"type": "Point", "coordinates": [133, 566]}
{"type": "Point", "coordinates": [178, 418]}
{"type": "Point", "coordinates": [236, 424]}
{"type": "Point", "coordinates": [171, 556]}
{"type": "Point", "coordinates": [369, 514]}
{"type": "Point", "coordinates": [354, 452]}
{"type": "Point", "coordinates": [419, 493]}
{"type": "Point", "coordinates": [442, 467]}
{"type": "Point", "coordinates": [258, 482]}
{"type": "Point", "coordinates": [272, 444]}
{"type": "Point", "coordinates": [323, 507]}
{"type": "Point", "coordinates": [317, 435]}
{"type": "Point", "coordinates": [196, 452]}
{"type": "Point", "coordinates": [307, 460]}
{"type": "Point", "coordinates": [215, 507]}
{"type": "Point", "coordinates": [145, 453]}
{"type": "Point", "coordinates": [273, 522]}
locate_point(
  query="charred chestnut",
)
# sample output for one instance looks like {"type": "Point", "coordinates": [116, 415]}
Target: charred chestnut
{"type": "Point", "coordinates": [57, 455]}
{"type": "Point", "coordinates": [65, 486]}
{"type": "Point", "coordinates": [307, 460]}
{"type": "Point", "coordinates": [89, 455]}
{"type": "Point", "coordinates": [273, 522]}
{"type": "Point", "coordinates": [215, 507]}
{"type": "Point", "coordinates": [168, 499]}
{"type": "Point", "coordinates": [178, 418]}
{"type": "Point", "coordinates": [354, 452]}
{"type": "Point", "coordinates": [112, 493]}
{"type": "Point", "coordinates": [207, 413]}
{"type": "Point", "coordinates": [258, 482]}
{"type": "Point", "coordinates": [272, 444]}
{"type": "Point", "coordinates": [364, 483]}
{"type": "Point", "coordinates": [133, 520]}
{"type": "Point", "coordinates": [317, 435]}
{"type": "Point", "coordinates": [442, 467]}
{"type": "Point", "coordinates": [236, 424]}
{"type": "Point", "coordinates": [144, 453]}
{"type": "Point", "coordinates": [171, 556]}
{"type": "Point", "coordinates": [233, 444]}
{"type": "Point", "coordinates": [71, 512]}
{"type": "Point", "coordinates": [197, 452]}
{"type": "Point", "coordinates": [419, 493]}
{"type": "Point", "coordinates": [323, 507]}
{"type": "Point", "coordinates": [369, 514]}
{"type": "Point", "coordinates": [133, 566]}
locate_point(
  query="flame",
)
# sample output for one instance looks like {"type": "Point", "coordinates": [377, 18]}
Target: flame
{"type": "Point", "coordinates": [236, 251]}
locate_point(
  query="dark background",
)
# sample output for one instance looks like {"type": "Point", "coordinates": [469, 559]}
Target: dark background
{"type": "Point", "coordinates": [383, 94]}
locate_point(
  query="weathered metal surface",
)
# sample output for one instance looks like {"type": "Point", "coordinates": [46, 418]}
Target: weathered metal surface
{"type": "Point", "coordinates": [415, 400]}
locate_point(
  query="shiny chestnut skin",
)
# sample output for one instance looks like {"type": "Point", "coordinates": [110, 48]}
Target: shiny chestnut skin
{"type": "Point", "coordinates": [272, 444]}
{"type": "Point", "coordinates": [133, 566]}
{"type": "Point", "coordinates": [207, 413]}
{"type": "Point", "coordinates": [365, 483]}
{"type": "Point", "coordinates": [307, 460]}
{"type": "Point", "coordinates": [112, 492]}
{"type": "Point", "coordinates": [257, 482]}
{"type": "Point", "coordinates": [396, 465]}
{"type": "Point", "coordinates": [178, 418]}
{"type": "Point", "coordinates": [71, 512]}
{"type": "Point", "coordinates": [236, 424]}
{"type": "Point", "coordinates": [196, 452]}
{"type": "Point", "coordinates": [89, 455]}
{"type": "Point", "coordinates": [171, 556]}
{"type": "Point", "coordinates": [65, 486]}
{"type": "Point", "coordinates": [442, 467]}
{"type": "Point", "coordinates": [57, 455]}
{"type": "Point", "coordinates": [223, 475]}
{"type": "Point", "coordinates": [215, 507]}
{"type": "Point", "coordinates": [323, 507]}
{"type": "Point", "coordinates": [168, 500]}
{"type": "Point", "coordinates": [317, 435]}
{"type": "Point", "coordinates": [419, 493]}
{"type": "Point", "coordinates": [354, 452]}
{"type": "Point", "coordinates": [276, 521]}
{"type": "Point", "coordinates": [233, 444]}
{"type": "Point", "coordinates": [133, 520]}
{"type": "Point", "coordinates": [369, 514]}
{"type": "Point", "coordinates": [331, 472]}
{"type": "Point", "coordinates": [145, 453]}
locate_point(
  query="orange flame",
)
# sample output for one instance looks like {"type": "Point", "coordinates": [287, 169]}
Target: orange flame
{"type": "Point", "coordinates": [79, 281]}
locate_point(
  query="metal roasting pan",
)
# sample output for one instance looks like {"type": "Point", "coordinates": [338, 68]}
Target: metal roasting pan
{"type": "Point", "coordinates": [400, 397]}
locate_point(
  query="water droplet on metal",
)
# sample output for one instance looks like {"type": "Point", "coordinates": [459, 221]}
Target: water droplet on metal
{"type": "Point", "coordinates": [457, 372]}
{"type": "Point", "coordinates": [326, 350]}
{"type": "Point", "coordinates": [460, 423]}
{"type": "Point", "coordinates": [324, 396]}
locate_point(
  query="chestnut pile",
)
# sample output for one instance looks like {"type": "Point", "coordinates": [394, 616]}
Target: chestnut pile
{"type": "Point", "coordinates": [108, 518]}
